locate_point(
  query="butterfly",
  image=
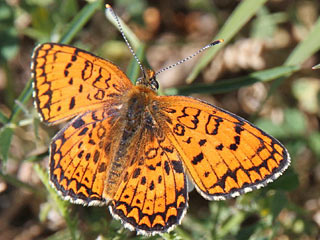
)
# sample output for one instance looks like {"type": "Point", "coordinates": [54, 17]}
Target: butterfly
{"type": "Point", "coordinates": [135, 151]}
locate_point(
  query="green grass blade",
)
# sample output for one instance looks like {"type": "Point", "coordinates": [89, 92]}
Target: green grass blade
{"type": "Point", "coordinates": [63, 206]}
{"type": "Point", "coordinates": [3, 118]}
{"type": "Point", "coordinates": [307, 47]}
{"type": "Point", "coordinates": [6, 134]}
{"type": "Point", "coordinates": [19, 184]}
{"type": "Point", "coordinates": [23, 98]}
{"type": "Point", "coordinates": [240, 16]}
{"type": "Point", "coordinates": [80, 20]}
{"type": "Point", "coordinates": [235, 83]}
{"type": "Point", "coordinates": [304, 50]}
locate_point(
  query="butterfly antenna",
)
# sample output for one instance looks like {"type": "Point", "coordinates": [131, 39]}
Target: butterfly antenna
{"type": "Point", "coordinates": [109, 8]}
{"type": "Point", "coordinates": [191, 56]}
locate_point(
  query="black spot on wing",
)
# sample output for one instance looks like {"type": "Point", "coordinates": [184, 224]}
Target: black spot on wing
{"type": "Point", "coordinates": [78, 123]}
{"type": "Point", "coordinates": [96, 156]}
{"type": "Point", "coordinates": [219, 147]}
{"type": "Point", "coordinates": [202, 142]}
{"type": "Point", "coordinates": [197, 159]}
{"type": "Point", "coordinates": [72, 103]}
{"type": "Point", "coordinates": [151, 167]}
{"type": "Point", "coordinates": [102, 167]}
{"type": "Point", "coordinates": [83, 131]}
{"type": "Point", "coordinates": [136, 173]}
{"type": "Point", "coordinates": [238, 129]}
{"type": "Point", "coordinates": [177, 166]}
{"type": "Point", "coordinates": [143, 180]}
{"type": "Point", "coordinates": [151, 187]}
{"type": "Point", "coordinates": [166, 167]}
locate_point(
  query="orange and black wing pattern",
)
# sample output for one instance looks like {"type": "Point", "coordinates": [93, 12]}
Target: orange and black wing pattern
{"type": "Point", "coordinates": [79, 158]}
{"type": "Point", "coordinates": [152, 198]}
{"type": "Point", "coordinates": [69, 81]}
{"type": "Point", "coordinates": [135, 150]}
{"type": "Point", "coordinates": [224, 154]}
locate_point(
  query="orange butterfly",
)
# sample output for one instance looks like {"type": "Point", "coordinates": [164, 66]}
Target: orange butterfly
{"type": "Point", "coordinates": [133, 150]}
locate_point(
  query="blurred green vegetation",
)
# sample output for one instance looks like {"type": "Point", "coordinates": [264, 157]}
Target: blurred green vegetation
{"type": "Point", "coordinates": [281, 96]}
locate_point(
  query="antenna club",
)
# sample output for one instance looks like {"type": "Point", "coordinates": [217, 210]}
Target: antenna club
{"type": "Point", "coordinates": [216, 42]}
{"type": "Point", "coordinates": [316, 67]}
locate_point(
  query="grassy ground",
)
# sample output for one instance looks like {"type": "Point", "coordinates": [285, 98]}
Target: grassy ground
{"type": "Point", "coordinates": [262, 72]}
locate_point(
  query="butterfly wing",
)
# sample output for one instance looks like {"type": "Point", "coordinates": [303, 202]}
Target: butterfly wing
{"type": "Point", "coordinates": [224, 154]}
{"type": "Point", "coordinates": [80, 156]}
{"type": "Point", "coordinates": [152, 198]}
{"type": "Point", "coordinates": [69, 81]}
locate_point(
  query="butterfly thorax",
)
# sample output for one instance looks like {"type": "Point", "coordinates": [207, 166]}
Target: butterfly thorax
{"type": "Point", "coordinates": [135, 119]}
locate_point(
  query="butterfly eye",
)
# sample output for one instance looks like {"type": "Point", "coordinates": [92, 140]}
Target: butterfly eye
{"type": "Point", "coordinates": [139, 81]}
{"type": "Point", "coordinates": [154, 83]}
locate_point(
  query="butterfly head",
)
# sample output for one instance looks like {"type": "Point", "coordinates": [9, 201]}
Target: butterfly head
{"type": "Point", "coordinates": [149, 80]}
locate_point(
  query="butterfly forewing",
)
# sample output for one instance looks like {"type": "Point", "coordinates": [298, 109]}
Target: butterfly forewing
{"type": "Point", "coordinates": [69, 81]}
{"type": "Point", "coordinates": [224, 154]}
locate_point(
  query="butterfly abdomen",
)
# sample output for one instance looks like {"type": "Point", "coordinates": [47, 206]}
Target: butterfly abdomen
{"type": "Point", "coordinates": [134, 119]}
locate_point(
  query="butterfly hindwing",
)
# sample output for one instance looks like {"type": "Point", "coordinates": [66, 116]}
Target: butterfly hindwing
{"type": "Point", "coordinates": [80, 156]}
{"type": "Point", "coordinates": [152, 198]}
